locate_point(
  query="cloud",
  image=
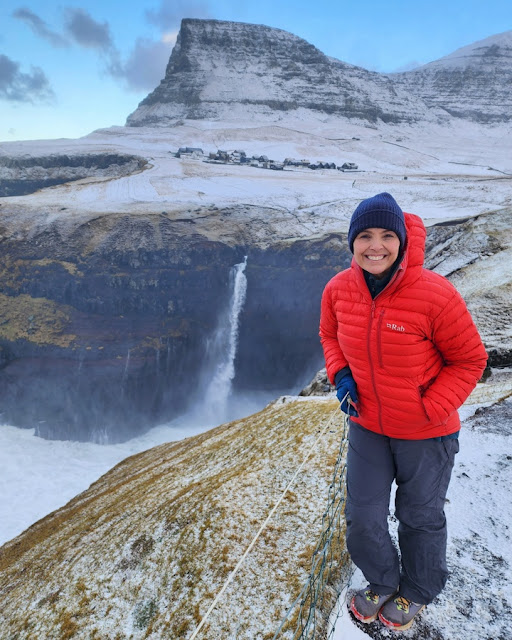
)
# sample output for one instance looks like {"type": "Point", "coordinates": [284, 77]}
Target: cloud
{"type": "Point", "coordinates": [170, 37]}
{"type": "Point", "coordinates": [146, 64]}
{"type": "Point", "coordinates": [170, 12]}
{"type": "Point", "coordinates": [86, 31]}
{"type": "Point", "coordinates": [40, 27]}
{"type": "Point", "coordinates": [16, 86]}
{"type": "Point", "coordinates": [91, 34]}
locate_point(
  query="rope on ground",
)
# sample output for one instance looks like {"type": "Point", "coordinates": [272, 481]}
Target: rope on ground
{"type": "Point", "coordinates": [267, 520]}
{"type": "Point", "coordinates": [331, 568]}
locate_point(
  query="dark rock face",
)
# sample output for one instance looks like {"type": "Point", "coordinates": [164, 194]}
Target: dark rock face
{"type": "Point", "coordinates": [279, 344]}
{"type": "Point", "coordinates": [103, 329]}
{"type": "Point", "coordinates": [104, 324]}
{"type": "Point", "coordinates": [22, 175]}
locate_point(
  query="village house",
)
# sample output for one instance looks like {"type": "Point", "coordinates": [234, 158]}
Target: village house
{"type": "Point", "coordinates": [191, 152]}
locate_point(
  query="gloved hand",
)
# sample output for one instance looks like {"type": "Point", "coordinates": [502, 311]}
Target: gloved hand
{"type": "Point", "coordinates": [346, 384]}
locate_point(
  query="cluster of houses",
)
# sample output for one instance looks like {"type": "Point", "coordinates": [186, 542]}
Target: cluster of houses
{"type": "Point", "coordinates": [240, 157]}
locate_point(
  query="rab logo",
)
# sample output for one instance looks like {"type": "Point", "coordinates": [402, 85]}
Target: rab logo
{"type": "Point", "coordinates": [395, 327]}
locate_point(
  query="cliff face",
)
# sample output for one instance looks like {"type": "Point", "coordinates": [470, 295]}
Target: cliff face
{"type": "Point", "coordinates": [22, 175]}
{"type": "Point", "coordinates": [104, 324]}
{"type": "Point", "coordinates": [476, 256]}
{"type": "Point", "coordinates": [228, 70]}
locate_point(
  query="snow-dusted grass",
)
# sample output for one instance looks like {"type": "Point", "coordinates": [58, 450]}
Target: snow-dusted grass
{"type": "Point", "coordinates": [142, 553]}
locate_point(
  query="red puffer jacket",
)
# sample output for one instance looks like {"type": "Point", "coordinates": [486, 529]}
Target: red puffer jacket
{"type": "Point", "coordinates": [413, 351]}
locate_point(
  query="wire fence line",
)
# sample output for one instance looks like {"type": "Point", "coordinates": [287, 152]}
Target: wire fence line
{"type": "Point", "coordinates": [331, 567]}
{"type": "Point", "coordinates": [330, 517]}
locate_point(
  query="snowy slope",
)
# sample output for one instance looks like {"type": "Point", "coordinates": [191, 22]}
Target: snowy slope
{"type": "Point", "coordinates": [473, 83]}
{"type": "Point", "coordinates": [437, 172]}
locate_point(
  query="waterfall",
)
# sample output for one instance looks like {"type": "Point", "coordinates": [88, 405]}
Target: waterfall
{"type": "Point", "coordinates": [221, 349]}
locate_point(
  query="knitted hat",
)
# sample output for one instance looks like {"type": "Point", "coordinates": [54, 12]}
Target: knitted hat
{"type": "Point", "coordinates": [381, 211]}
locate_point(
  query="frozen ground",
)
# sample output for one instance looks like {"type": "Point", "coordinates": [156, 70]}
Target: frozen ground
{"type": "Point", "coordinates": [436, 172]}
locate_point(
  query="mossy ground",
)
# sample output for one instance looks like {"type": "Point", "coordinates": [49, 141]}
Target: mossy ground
{"type": "Point", "coordinates": [143, 552]}
{"type": "Point", "coordinates": [36, 320]}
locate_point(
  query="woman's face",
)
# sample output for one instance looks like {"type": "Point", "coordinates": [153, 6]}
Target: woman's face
{"type": "Point", "coordinates": [375, 250]}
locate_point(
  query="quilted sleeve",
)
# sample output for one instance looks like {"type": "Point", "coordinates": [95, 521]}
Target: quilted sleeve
{"type": "Point", "coordinates": [457, 340]}
{"type": "Point", "coordinates": [334, 358]}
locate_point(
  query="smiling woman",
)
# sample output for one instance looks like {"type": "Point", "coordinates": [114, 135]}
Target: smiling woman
{"type": "Point", "coordinates": [400, 341]}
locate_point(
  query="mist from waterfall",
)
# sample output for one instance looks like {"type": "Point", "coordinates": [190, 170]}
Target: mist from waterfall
{"type": "Point", "coordinates": [221, 350]}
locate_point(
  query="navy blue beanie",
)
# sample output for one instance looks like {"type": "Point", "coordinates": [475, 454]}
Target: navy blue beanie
{"type": "Point", "coordinates": [381, 211]}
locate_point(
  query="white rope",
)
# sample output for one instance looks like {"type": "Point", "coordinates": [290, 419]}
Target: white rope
{"type": "Point", "coordinates": [249, 548]}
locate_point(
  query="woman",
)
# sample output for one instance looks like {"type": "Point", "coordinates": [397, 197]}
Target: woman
{"type": "Point", "coordinates": [404, 354]}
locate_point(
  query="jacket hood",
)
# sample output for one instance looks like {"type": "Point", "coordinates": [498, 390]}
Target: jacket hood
{"type": "Point", "coordinates": [415, 243]}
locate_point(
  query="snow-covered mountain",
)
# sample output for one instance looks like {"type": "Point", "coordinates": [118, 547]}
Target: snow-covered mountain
{"type": "Point", "coordinates": [218, 70]}
{"type": "Point", "coordinates": [223, 70]}
{"type": "Point", "coordinates": [474, 82]}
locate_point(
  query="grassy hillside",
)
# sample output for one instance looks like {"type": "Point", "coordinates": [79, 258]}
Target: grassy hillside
{"type": "Point", "coordinates": [143, 552]}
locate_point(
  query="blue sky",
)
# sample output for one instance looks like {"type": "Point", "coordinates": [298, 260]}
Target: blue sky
{"type": "Point", "coordinates": [69, 68]}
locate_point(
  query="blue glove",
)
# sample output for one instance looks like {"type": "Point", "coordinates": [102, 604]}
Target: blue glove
{"type": "Point", "coordinates": [346, 384]}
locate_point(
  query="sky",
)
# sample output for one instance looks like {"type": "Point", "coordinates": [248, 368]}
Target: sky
{"type": "Point", "coordinates": [68, 68]}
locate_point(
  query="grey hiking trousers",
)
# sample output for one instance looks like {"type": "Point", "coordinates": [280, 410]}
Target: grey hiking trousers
{"type": "Point", "coordinates": [422, 470]}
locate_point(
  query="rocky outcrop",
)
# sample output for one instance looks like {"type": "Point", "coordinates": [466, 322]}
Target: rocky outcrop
{"type": "Point", "coordinates": [319, 386]}
{"type": "Point", "coordinates": [20, 175]}
{"type": "Point", "coordinates": [476, 255]}
{"type": "Point", "coordinates": [228, 71]}
{"type": "Point", "coordinates": [218, 68]}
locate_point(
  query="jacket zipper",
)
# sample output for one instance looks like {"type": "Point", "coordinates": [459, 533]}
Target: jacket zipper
{"type": "Point", "coordinates": [372, 373]}
{"type": "Point", "coordinates": [379, 338]}
{"type": "Point", "coordinates": [396, 276]}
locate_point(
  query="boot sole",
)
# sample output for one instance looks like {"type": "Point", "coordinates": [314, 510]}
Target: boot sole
{"type": "Point", "coordinates": [361, 618]}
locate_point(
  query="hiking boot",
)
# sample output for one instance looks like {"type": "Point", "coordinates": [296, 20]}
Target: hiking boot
{"type": "Point", "coordinates": [398, 614]}
{"type": "Point", "coordinates": [366, 604]}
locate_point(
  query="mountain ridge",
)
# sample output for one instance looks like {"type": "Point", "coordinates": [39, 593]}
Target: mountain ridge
{"type": "Point", "coordinates": [224, 70]}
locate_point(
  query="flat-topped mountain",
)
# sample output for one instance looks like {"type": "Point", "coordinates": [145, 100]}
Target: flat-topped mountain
{"type": "Point", "coordinates": [220, 69]}
{"type": "Point", "coordinates": [228, 70]}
